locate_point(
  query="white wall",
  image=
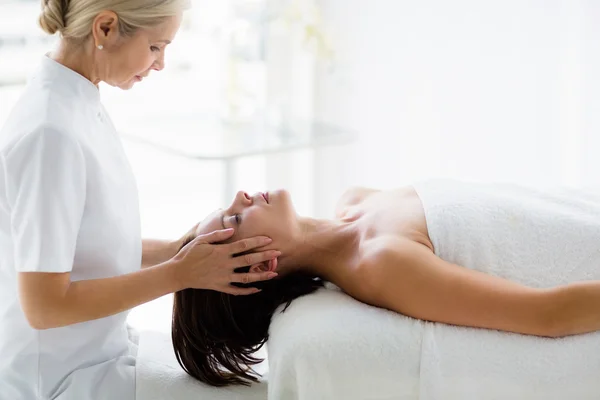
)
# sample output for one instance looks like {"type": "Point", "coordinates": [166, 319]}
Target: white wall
{"type": "Point", "coordinates": [484, 90]}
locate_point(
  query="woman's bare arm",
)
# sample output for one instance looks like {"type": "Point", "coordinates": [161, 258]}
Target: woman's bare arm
{"type": "Point", "coordinates": [407, 277]}
{"type": "Point", "coordinates": [156, 251]}
{"type": "Point", "coordinates": [51, 300]}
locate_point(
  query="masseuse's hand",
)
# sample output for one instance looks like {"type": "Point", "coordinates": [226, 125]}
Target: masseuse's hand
{"type": "Point", "coordinates": [204, 264]}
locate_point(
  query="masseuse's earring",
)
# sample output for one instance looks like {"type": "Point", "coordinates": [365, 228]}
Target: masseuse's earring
{"type": "Point", "coordinates": [100, 47]}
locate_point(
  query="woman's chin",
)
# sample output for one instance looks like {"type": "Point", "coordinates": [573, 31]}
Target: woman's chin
{"type": "Point", "coordinates": [282, 192]}
{"type": "Point", "coordinates": [280, 195]}
{"type": "Point", "coordinates": [127, 85]}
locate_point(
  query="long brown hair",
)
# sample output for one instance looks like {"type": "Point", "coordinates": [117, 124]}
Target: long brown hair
{"type": "Point", "coordinates": [215, 335]}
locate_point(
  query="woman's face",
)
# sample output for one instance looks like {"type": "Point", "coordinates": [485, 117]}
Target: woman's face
{"type": "Point", "coordinates": [269, 214]}
{"type": "Point", "coordinates": [125, 61]}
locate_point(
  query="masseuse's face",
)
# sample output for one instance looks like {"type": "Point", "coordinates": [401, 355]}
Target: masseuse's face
{"type": "Point", "coordinates": [271, 214]}
{"type": "Point", "coordinates": [124, 60]}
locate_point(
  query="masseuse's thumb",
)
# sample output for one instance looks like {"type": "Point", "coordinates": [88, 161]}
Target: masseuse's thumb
{"type": "Point", "coordinates": [214, 237]}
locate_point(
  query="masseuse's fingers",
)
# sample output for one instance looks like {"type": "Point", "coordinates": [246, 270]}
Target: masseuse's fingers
{"type": "Point", "coordinates": [205, 265]}
{"type": "Point", "coordinates": [214, 237]}
{"type": "Point", "coordinates": [253, 258]}
{"type": "Point", "coordinates": [250, 277]}
{"type": "Point", "coordinates": [244, 245]}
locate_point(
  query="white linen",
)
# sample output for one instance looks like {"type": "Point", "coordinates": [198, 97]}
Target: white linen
{"type": "Point", "coordinates": [327, 345]}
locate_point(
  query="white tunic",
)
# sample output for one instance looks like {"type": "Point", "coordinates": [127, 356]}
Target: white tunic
{"type": "Point", "coordinates": [68, 203]}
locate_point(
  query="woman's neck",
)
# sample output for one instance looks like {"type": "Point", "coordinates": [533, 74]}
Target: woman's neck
{"type": "Point", "coordinates": [77, 58]}
{"type": "Point", "coordinates": [324, 248]}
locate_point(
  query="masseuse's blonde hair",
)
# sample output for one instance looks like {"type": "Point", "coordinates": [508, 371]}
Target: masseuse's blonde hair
{"type": "Point", "coordinates": [73, 18]}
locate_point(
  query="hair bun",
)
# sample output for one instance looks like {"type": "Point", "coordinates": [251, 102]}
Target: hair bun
{"type": "Point", "coordinates": [52, 18]}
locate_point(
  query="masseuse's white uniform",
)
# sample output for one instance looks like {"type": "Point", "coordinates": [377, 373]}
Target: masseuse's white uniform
{"type": "Point", "coordinates": [68, 203]}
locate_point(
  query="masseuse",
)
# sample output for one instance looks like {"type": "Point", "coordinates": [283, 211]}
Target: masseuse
{"type": "Point", "coordinates": [72, 262]}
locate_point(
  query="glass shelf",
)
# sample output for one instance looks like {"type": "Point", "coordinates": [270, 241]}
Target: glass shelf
{"type": "Point", "coordinates": [211, 138]}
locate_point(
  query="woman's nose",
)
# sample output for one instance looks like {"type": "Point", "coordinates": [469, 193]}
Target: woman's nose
{"type": "Point", "coordinates": [159, 64]}
{"type": "Point", "coordinates": [243, 198]}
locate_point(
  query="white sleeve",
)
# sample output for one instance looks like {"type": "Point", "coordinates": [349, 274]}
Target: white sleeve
{"type": "Point", "coordinates": [46, 189]}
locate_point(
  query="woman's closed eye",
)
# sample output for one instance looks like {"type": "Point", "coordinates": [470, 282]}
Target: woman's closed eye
{"type": "Point", "coordinates": [236, 218]}
{"type": "Point", "coordinates": [154, 48]}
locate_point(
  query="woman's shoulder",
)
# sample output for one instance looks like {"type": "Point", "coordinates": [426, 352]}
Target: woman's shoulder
{"type": "Point", "coordinates": [378, 255]}
{"type": "Point", "coordinates": [384, 247]}
{"type": "Point", "coordinates": [38, 115]}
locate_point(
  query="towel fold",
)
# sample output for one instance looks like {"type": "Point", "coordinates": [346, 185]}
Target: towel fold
{"type": "Point", "coordinates": [465, 363]}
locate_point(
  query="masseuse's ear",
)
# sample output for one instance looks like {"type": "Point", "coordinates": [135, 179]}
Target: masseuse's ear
{"type": "Point", "coordinates": [105, 29]}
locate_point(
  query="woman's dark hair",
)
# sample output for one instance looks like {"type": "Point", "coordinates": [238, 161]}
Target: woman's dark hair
{"type": "Point", "coordinates": [215, 334]}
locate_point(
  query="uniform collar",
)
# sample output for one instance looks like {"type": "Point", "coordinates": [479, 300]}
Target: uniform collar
{"type": "Point", "coordinates": [78, 83]}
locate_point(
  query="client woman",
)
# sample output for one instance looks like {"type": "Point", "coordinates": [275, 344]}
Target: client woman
{"type": "Point", "coordinates": [433, 251]}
